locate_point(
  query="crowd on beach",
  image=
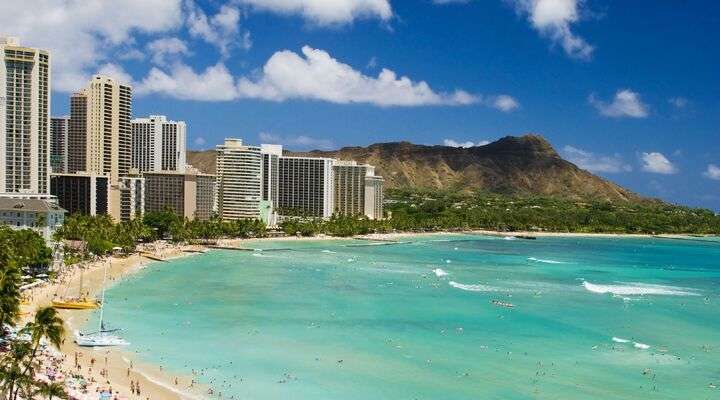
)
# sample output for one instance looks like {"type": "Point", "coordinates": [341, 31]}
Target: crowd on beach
{"type": "Point", "coordinates": [91, 373]}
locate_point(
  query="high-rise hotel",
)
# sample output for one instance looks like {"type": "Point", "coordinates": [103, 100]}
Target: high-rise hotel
{"type": "Point", "coordinates": [158, 144]}
{"type": "Point", "coordinates": [99, 139]}
{"type": "Point", "coordinates": [239, 179]}
{"type": "Point", "coordinates": [24, 118]}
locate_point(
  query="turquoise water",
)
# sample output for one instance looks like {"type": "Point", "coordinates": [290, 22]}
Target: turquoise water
{"type": "Point", "coordinates": [592, 319]}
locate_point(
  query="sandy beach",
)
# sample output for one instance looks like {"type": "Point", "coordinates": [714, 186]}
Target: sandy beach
{"type": "Point", "coordinates": [114, 368]}
{"type": "Point", "coordinates": [109, 368]}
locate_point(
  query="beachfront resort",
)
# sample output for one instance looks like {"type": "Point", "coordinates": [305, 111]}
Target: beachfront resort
{"type": "Point", "coordinates": [176, 224]}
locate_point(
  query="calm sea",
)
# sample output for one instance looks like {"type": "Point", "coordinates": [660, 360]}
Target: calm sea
{"type": "Point", "coordinates": [348, 319]}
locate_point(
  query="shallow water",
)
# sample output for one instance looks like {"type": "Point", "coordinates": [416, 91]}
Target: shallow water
{"type": "Point", "coordinates": [592, 319]}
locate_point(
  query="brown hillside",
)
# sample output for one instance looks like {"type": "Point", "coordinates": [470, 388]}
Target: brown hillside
{"type": "Point", "coordinates": [526, 165]}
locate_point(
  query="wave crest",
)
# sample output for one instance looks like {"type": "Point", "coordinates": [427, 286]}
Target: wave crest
{"type": "Point", "coordinates": [474, 288]}
{"type": "Point", "coordinates": [639, 289]}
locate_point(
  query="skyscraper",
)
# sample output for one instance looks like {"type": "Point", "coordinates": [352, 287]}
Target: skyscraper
{"type": "Point", "coordinates": [239, 177]}
{"type": "Point", "coordinates": [158, 144]}
{"type": "Point", "coordinates": [100, 135]}
{"type": "Point", "coordinates": [357, 190]}
{"type": "Point", "coordinates": [59, 127]}
{"type": "Point", "coordinates": [24, 118]}
{"type": "Point", "coordinates": [306, 187]}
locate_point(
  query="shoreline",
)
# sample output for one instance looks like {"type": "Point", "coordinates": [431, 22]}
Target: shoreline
{"type": "Point", "coordinates": [120, 366]}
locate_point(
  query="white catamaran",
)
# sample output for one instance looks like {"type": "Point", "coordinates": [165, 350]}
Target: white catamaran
{"type": "Point", "coordinates": [103, 337]}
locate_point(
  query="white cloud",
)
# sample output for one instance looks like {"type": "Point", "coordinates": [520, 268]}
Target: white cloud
{"type": "Point", "coordinates": [215, 83]}
{"type": "Point", "coordinates": [712, 172]}
{"type": "Point", "coordinates": [678, 102]}
{"type": "Point", "coordinates": [131, 54]}
{"type": "Point", "coordinates": [625, 104]}
{"type": "Point", "coordinates": [467, 144]}
{"type": "Point", "coordinates": [504, 103]}
{"type": "Point", "coordinates": [657, 163]}
{"type": "Point", "coordinates": [595, 162]}
{"type": "Point", "coordinates": [327, 12]}
{"type": "Point", "coordinates": [318, 76]}
{"type": "Point", "coordinates": [221, 30]}
{"type": "Point", "coordinates": [81, 35]}
{"type": "Point", "coordinates": [199, 141]}
{"type": "Point", "coordinates": [288, 75]}
{"type": "Point", "coordinates": [116, 72]}
{"type": "Point", "coordinates": [164, 47]}
{"type": "Point", "coordinates": [553, 19]}
{"type": "Point", "coordinates": [300, 141]}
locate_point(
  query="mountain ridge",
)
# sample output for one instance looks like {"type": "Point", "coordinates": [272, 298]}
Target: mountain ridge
{"type": "Point", "coordinates": [513, 165]}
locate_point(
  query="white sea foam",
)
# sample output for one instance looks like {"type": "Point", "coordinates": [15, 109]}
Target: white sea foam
{"type": "Point", "coordinates": [641, 346]}
{"type": "Point", "coordinates": [439, 272]}
{"type": "Point", "coordinates": [474, 288]}
{"type": "Point", "coordinates": [510, 238]}
{"type": "Point", "coordinates": [540, 260]}
{"type": "Point", "coordinates": [639, 289]}
{"type": "Point", "coordinates": [619, 340]}
{"type": "Point", "coordinates": [328, 251]}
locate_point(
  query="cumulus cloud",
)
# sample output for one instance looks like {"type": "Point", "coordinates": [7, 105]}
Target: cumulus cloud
{"type": "Point", "coordinates": [116, 72]}
{"type": "Point", "coordinates": [625, 104]}
{"type": "Point", "coordinates": [318, 76]}
{"type": "Point", "coordinates": [553, 19]}
{"type": "Point", "coordinates": [324, 12]}
{"type": "Point", "coordinates": [657, 163]}
{"type": "Point", "coordinates": [215, 83]}
{"type": "Point", "coordinates": [220, 30]}
{"type": "Point", "coordinates": [314, 75]}
{"type": "Point", "coordinates": [164, 47]}
{"type": "Point", "coordinates": [81, 35]}
{"type": "Point", "coordinates": [678, 102]}
{"type": "Point", "coordinates": [712, 172]}
{"type": "Point", "coordinates": [465, 145]}
{"type": "Point", "coordinates": [504, 103]}
{"type": "Point", "coordinates": [595, 162]}
{"type": "Point", "coordinates": [298, 142]}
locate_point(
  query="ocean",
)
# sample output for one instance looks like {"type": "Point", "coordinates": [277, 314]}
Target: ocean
{"type": "Point", "coordinates": [429, 318]}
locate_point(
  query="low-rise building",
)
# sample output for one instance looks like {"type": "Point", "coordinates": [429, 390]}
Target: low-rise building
{"type": "Point", "coordinates": [190, 194]}
{"type": "Point", "coordinates": [81, 193]}
{"type": "Point", "coordinates": [40, 213]}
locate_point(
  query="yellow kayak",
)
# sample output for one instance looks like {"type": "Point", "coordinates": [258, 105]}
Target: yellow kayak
{"type": "Point", "coordinates": [76, 304]}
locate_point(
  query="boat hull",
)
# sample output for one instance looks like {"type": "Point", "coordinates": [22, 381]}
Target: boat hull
{"type": "Point", "coordinates": [76, 305]}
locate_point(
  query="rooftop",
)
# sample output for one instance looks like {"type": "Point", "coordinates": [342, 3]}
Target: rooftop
{"type": "Point", "coordinates": [34, 205]}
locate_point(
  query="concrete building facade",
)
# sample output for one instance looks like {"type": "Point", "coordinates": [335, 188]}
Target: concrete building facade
{"type": "Point", "coordinates": [158, 144]}
{"type": "Point", "coordinates": [39, 212]}
{"type": "Point", "coordinates": [81, 193]}
{"type": "Point", "coordinates": [190, 195]}
{"type": "Point", "coordinates": [357, 190]}
{"type": "Point", "coordinates": [132, 197]}
{"type": "Point", "coordinates": [59, 128]}
{"type": "Point", "coordinates": [24, 118]}
{"type": "Point", "coordinates": [101, 135]}
{"type": "Point", "coordinates": [306, 187]}
{"type": "Point", "coordinates": [239, 177]}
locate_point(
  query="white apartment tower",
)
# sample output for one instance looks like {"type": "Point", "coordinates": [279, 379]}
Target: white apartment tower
{"type": "Point", "coordinates": [24, 118]}
{"type": "Point", "coordinates": [100, 134]}
{"type": "Point", "coordinates": [158, 144]}
{"type": "Point", "coordinates": [239, 180]}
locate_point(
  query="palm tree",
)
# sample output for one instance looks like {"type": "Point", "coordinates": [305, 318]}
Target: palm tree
{"type": "Point", "coordinates": [51, 389]}
{"type": "Point", "coordinates": [47, 324]}
{"type": "Point", "coordinates": [12, 376]}
{"type": "Point", "coordinates": [10, 279]}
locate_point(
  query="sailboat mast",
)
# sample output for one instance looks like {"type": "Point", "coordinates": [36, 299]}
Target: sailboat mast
{"type": "Point", "coordinates": [102, 298]}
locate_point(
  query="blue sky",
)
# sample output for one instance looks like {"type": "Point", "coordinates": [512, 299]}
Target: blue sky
{"type": "Point", "coordinates": [627, 89]}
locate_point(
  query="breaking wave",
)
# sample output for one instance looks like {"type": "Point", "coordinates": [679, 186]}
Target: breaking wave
{"type": "Point", "coordinates": [540, 260]}
{"type": "Point", "coordinates": [474, 288]}
{"type": "Point", "coordinates": [639, 289]}
{"type": "Point", "coordinates": [439, 272]}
